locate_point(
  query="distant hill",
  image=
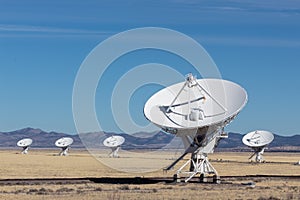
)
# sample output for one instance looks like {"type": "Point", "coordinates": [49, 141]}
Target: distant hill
{"type": "Point", "coordinates": [234, 140]}
{"type": "Point", "coordinates": [43, 139]}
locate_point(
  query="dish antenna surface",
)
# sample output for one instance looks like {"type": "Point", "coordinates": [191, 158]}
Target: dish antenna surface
{"type": "Point", "coordinates": [114, 142]}
{"type": "Point", "coordinates": [64, 143]}
{"type": "Point", "coordinates": [196, 110]}
{"type": "Point", "coordinates": [24, 143]}
{"type": "Point", "coordinates": [258, 141]}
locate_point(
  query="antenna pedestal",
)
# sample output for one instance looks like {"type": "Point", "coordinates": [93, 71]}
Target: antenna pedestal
{"type": "Point", "coordinates": [199, 164]}
{"type": "Point", "coordinates": [64, 151]}
{"type": "Point", "coordinates": [259, 154]}
{"type": "Point", "coordinates": [114, 152]}
{"type": "Point", "coordinates": [25, 150]}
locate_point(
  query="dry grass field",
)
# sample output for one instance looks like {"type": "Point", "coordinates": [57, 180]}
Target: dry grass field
{"type": "Point", "coordinates": [79, 164]}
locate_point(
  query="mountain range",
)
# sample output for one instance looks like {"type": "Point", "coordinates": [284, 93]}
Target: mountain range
{"type": "Point", "coordinates": [43, 139]}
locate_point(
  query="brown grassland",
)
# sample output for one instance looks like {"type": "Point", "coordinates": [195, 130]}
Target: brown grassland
{"type": "Point", "coordinates": [79, 164]}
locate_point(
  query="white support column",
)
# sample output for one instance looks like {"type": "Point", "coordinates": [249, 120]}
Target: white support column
{"type": "Point", "coordinates": [199, 165]}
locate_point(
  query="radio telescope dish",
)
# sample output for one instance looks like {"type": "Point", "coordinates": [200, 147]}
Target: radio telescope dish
{"type": "Point", "coordinates": [196, 110]}
{"type": "Point", "coordinates": [114, 142]}
{"type": "Point", "coordinates": [258, 141]}
{"type": "Point", "coordinates": [24, 143]}
{"type": "Point", "coordinates": [64, 143]}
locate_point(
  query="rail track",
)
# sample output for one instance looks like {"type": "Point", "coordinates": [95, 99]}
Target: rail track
{"type": "Point", "coordinates": [135, 180]}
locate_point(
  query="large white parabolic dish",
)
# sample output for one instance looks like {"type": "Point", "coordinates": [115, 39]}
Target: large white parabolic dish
{"type": "Point", "coordinates": [64, 142]}
{"type": "Point", "coordinates": [258, 138]}
{"type": "Point", "coordinates": [24, 142]}
{"type": "Point", "coordinates": [114, 141]}
{"type": "Point", "coordinates": [218, 100]}
{"type": "Point", "coordinates": [197, 110]}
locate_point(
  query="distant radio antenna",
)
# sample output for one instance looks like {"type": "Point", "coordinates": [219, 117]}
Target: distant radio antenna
{"type": "Point", "coordinates": [258, 141]}
{"type": "Point", "coordinates": [24, 143]}
{"type": "Point", "coordinates": [64, 143]}
{"type": "Point", "coordinates": [114, 142]}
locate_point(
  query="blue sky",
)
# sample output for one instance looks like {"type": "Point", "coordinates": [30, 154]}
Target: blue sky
{"type": "Point", "coordinates": [43, 43]}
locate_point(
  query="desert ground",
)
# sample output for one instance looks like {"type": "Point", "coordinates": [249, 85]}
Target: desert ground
{"type": "Point", "coordinates": [238, 182]}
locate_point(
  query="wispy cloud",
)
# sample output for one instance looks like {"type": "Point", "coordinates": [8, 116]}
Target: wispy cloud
{"type": "Point", "coordinates": [12, 30]}
{"type": "Point", "coordinates": [24, 31]}
{"type": "Point", "coordinates": [288, 7]}
{"type": "Point", "coordinates": [233, 11]}
{"type": "Point", "coordinates": [249, 41]}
